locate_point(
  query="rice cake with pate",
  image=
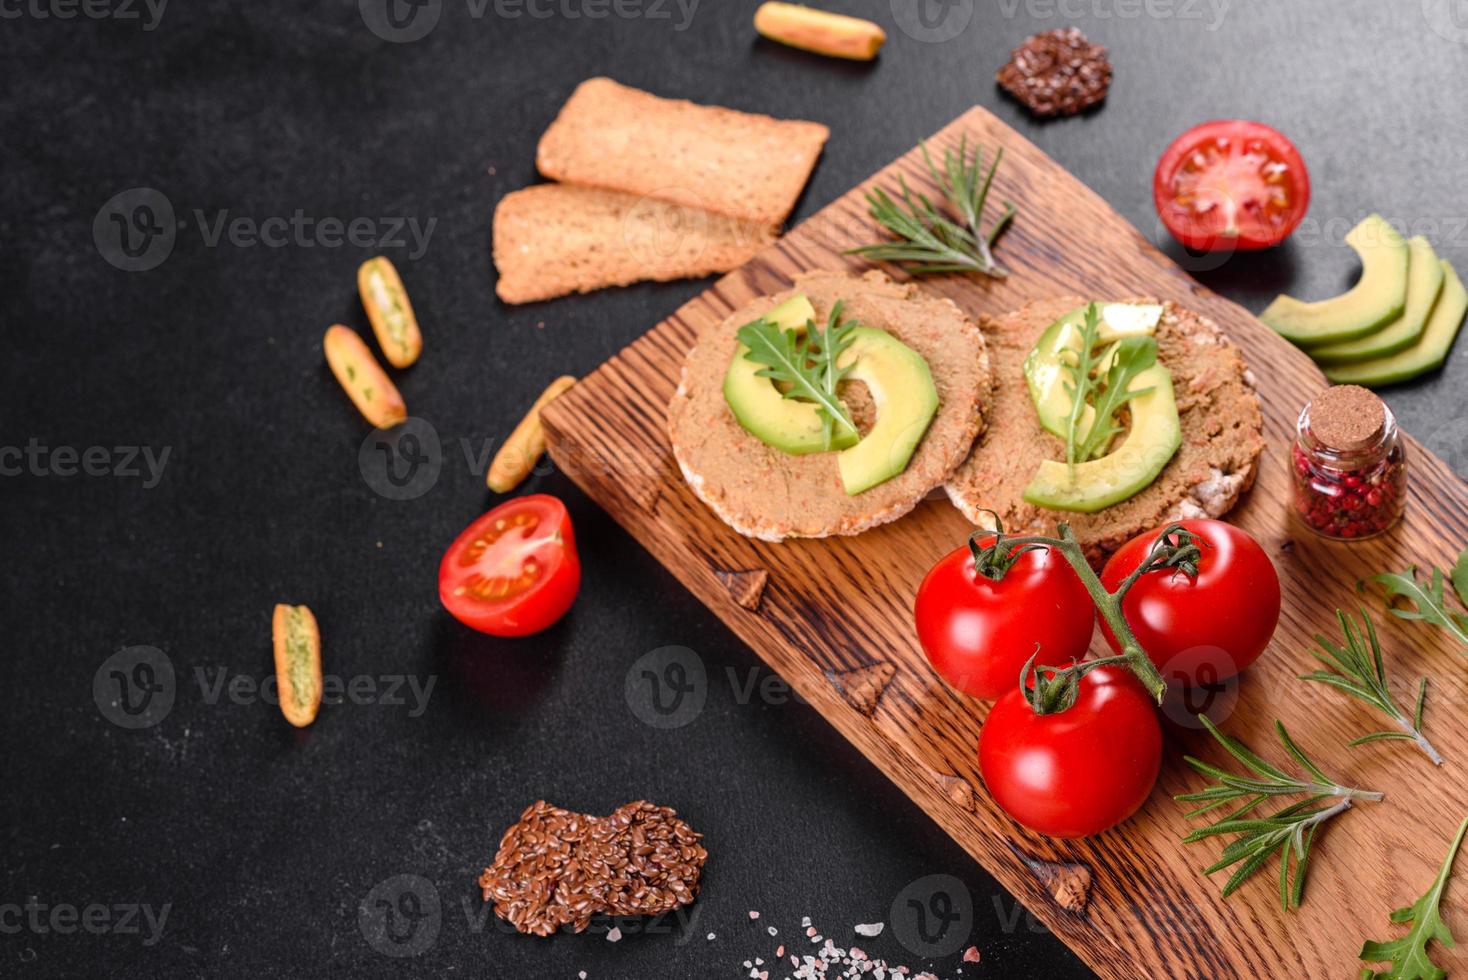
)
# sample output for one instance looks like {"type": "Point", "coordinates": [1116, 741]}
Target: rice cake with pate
{"type": "Point", "coordinates": [1222, 433]}
{"type": "Point", "coordinates": [765, 493]}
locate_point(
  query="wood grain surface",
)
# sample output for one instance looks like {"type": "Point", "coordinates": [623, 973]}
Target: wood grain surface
{"type": "Point", "coordinates": [833, 617]}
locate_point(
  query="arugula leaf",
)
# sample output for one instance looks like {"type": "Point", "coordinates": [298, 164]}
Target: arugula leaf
{"type": "Point", "coordinates": [1426, 598]}
{"type": "Point", "coordinates": [1408, 954]}
{"type": "Point", "coordinates": [1081, 384]}
{"type": "Point", "coordinates": [1127, 358]}
{"type": "Point", "coordinates": [807, 362]}
{"type": "Point", "coordinates": [1460, 577]}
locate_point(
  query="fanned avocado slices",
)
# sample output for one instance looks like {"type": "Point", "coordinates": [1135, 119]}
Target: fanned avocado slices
{"type": "Point", "coordinates": [1377, 299]}
{"type": "Point", "coordinates": [1424, 283]}
{"type": "Point", "coordinates": [1430, 351]}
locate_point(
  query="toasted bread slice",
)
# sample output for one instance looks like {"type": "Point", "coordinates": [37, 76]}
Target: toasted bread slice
{"type": "Point", "coordinates": [554, 239]}
{"type": "Point", "coordinates": [744, 165]}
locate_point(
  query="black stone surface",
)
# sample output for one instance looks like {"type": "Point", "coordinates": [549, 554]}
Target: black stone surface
{"type": "Point", "coordinates": [264, 843]}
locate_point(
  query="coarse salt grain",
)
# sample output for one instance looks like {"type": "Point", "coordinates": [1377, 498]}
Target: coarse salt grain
{"type": "Point", "coordinates": [753, 914]}
{"type": "Point", "coordinates": [971, 955]}
{"type": "Point", "coordinates": [870, 929]}
{"type": "Point", "coordinates": [772, 931]}
{"type": "Point", "coordinates": [614, 935]}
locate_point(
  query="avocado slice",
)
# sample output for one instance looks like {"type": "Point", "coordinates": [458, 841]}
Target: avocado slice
{"type": "Point", "coordinates": [1427, 354]}
{"type": "Point", "coordinates": [902, 387]}
{"type": "Point", "coordinates": [1376, 300]}
{"type": "Point", "coordinates": [1424, 282]}
{"type": "Point", "coordinates": [1153, 439]}
{"type": "Point", "coordinates": [1045, 364]}
{"type": "Point", "coordinates": [786, 424]}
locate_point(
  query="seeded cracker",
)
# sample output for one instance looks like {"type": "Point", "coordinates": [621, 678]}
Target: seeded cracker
{"type": "Point", "coordinates": [555, 239]}
{"type": "Point", "coordinates": [739, 164]}
{"type": "Point", "coordinates": [556, 867]}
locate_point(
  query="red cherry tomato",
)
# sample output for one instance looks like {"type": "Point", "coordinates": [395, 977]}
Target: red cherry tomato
{"type": "Point", "coordinates": [978, 633]}
{"type": "Point", "coordinates": [514, 571]}
{"type": "Point", "coordinates": [1229, 185]}
{"type": "Point", "coordinates": [1081, 770]}
{"type": "Point", "coordinates": [1205, 628]}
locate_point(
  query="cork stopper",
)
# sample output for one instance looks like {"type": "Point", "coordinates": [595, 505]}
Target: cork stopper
{"type": "Point", "coordinates": [1347, 417]}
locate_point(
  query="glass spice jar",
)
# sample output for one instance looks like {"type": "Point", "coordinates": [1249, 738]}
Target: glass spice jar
{"type": "Point", "coordinates": [1350, 466]}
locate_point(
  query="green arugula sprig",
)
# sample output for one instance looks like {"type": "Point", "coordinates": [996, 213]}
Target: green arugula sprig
{"type": "Point", "coordinates": [808, 362]}
{"type": "Point", "coordinates": [1408, 954]}
{"type": "Point", "coordinates": [1427, 597]}
{"type": "Point", "coordinates": [930, 241]}
{"type": "Point", "coordinates": [1288, 831]}
{"type": "Point", "coordinates": [1104, 377]}
{"type": "Point", "coordinates": [1362, 675]}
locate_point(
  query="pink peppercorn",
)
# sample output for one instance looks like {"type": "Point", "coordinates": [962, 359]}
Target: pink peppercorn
{"type": "Point", "coordinates": [1350, 466]}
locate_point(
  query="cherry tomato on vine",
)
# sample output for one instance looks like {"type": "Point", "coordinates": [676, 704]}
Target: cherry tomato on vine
{"type": "Point", "coordinates": [1231, 184]}
{"type": "Point", "coordinates": [1081, 770]}
{"type": "Point", "coordinates": [1204, 628]}
{"type": "Point", "coordinates": [978, 633]}
{"type": "Point", "coordinates": [514, 571]}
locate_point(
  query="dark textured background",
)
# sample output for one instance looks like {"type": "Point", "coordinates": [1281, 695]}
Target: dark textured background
{"type": "Point", "coordinates": [265, 841]}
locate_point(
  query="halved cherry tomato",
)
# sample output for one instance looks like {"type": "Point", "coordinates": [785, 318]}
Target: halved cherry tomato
{"type": "Point", "coordinates": [1231, 185]}
{"type": "Point", "coordinates": [1205, 628]}
{"type": "Point", "coordinates": [514, 571]}
{"type": "Point", "coordinates": [979, 633]}
{"type": "Point", "coordinates": [1081, 770]}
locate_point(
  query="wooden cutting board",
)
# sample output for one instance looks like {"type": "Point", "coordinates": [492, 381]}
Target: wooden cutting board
{"type": "Point", "coordinates": [833, 617]}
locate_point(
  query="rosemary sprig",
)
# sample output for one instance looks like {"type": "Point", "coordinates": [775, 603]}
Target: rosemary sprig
{"type": "Point", "coordinates": [807, 362]}
{"type": "Point", "coordinates": [929, 240]}
{"type": "Point", "coordinates": [1290, 830]}
{"type": "Point", "coordinates": [1362, 675]}
{"type": "Point", "coordinates": [1428, 603]}
{"type": "Point", "coordinates": [1408, 954]}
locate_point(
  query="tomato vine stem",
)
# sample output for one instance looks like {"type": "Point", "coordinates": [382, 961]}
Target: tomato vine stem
{"type": "Point", "coordinates": [1175, 548]}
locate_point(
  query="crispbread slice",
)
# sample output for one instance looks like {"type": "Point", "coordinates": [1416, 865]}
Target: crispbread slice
{"type": "Point", "coordinates": [554, 239]}
{"type": "Point", "coordinates": [736, 163]}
